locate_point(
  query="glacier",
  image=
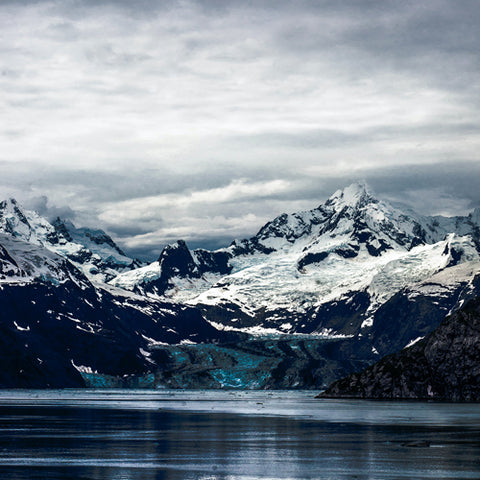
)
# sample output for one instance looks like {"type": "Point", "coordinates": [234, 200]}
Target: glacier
{"type": "Point", "coordinates": [312, 296]}
{"type": "Point", "coordinates": [299, 263]}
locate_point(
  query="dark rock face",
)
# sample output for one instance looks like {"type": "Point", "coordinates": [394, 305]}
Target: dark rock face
{"type": "Point", "coordinates": [281, 227]}
{"type": "Point", "coordinates": [57, 324]}
{"type": "Point", "coordinates": [248, 247]}
{"type": "Point", "coordinates": [344, 317]}
{"type": "Point", "coordinates": [409, 315]}
{"type": "Point", "coordinates": [311, 258]}
{"type": "Point", "coordinates": [176, 260]}
{"type": "Point", "coordinates": [100, 238]}
{"type": "Point", "coordinates": [216, 262]}
{"type": "Point", "coordinates": [443, 366]}
{"type": "Point", "coordinates": [8, 266]}
{"type": "Point", "coordinates": [61, 231]}
{"type": "Point", "coordinates": [13, 202]}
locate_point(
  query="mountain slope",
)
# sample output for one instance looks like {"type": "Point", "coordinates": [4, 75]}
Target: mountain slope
{"type": "Point", "coordinates": [443, 366]}
{"type": "Point", "coordinates": [311, 297]}
{"type": "Point", "coordinates": [93, 251]}
{"type": "Point", "coordinates": [330, 271]}
{"type": "Point", "coordinates": [56, 326]}
{"type": "Point", "coordinates": [177, 269]}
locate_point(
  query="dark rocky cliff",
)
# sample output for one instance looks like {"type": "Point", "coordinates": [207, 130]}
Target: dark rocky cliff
{"type": "Point", "coordinates": [443, 366]}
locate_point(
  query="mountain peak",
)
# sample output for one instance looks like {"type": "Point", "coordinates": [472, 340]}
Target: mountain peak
{"type": "Point", "coordinates": [92, 250]}
{"type": "Point", "coordinates": [13, 220]}
{"type": "Point", "coordinates": [176, 260]}
{"type": "Point", "coordinates": [9, 204]}
{"type": "Point", "coordinates": [354, 194]}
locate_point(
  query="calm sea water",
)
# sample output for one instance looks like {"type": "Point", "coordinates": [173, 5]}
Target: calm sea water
{"type": "Point", "coordinates": [173, 435]}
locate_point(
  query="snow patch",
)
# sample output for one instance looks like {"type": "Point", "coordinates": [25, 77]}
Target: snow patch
{"type": "Point", "coordinates": [413, 342]}
{"type": "Point", "coordinates": [82, 368]}
{"type": "Point", "coordinates": [22, 329]}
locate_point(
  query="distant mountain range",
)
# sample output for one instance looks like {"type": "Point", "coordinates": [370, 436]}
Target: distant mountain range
{"type": "Point", "coordinates": [338, 286]}
{"type": "Point", "coordinates": [57, 326]}
{"type": "Point", "coordinates": [337, 270]}
{"type": "Point", "coordinates": [92, 251]}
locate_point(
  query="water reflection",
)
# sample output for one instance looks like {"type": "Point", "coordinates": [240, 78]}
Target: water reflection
{"type": "Point", "coordinates": [65, 439]}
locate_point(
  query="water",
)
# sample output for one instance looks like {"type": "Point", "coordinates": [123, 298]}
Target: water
{"type": "Point", "coordinates": [173, 435]}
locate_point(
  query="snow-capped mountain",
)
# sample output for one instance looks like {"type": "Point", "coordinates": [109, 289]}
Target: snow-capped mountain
{"type": "Point", "coordinates": [57, 327]}
{"type": "Point", "coordinates": [93, 251]}
{"type": "Point", "coordinates": [177, 270]}
{"type": "Point", "coordinates": [22, 262]}
{"type": "Point", "coordinates": [311, 297]}
{"type": "Point", "coordinates": [325, 271]}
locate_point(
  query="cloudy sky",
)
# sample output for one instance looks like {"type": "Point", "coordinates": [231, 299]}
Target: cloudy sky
{"type": "Point", "coordinates": [201, 120]}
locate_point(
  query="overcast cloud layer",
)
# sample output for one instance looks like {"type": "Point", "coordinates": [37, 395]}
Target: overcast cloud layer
{"type": "Point", "coordinates": [203, 119]}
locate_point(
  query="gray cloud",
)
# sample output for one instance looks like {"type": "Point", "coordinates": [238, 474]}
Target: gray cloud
{"type": "Point", "coordinates": [210, 211]}
{"type": "Point", "coordinates": [50, 212]}
{"type": "Point", "coordinates": [204, 118]}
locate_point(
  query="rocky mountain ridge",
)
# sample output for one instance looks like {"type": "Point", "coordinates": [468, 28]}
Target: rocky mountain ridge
{"type": "Point", "coordinates": [326, 271]}
{"type": "Point", "coordinates": [57, 326]}
{"type": "Point", "coordinates": [313, 296]}
{"type": "Point", "coordinates": [93, 251]}
{"type": "Point", "coordinates": [58, 329]}
{"type": "Point", "coordinates": [443, 366]}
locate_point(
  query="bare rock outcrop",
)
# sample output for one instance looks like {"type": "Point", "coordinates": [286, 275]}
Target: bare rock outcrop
{"type": "Point", "coordinates": [443, 366]}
